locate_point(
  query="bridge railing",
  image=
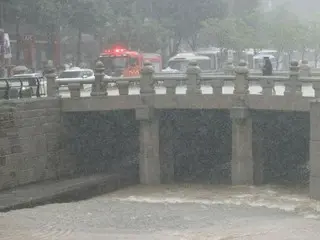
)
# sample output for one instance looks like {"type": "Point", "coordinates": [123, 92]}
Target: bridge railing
{"type": "Point", "coordinates": [22, 87]}
{"type": "Point", "coordinates": [193, 80]}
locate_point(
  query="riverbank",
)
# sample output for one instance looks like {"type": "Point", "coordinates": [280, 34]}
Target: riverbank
{"type": "Point", "coordinates": [64, 190]}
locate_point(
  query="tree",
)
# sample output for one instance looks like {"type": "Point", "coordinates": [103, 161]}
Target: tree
{"type": "Point", "coordinates": [313, 36]}
{"type": "Point", "coordinates": [86, 16]}
{"type": "Point", "coordinates": [184, 19]}
{"type": "Point", "coordinates": [230, 33]}
{"type": "Point", "coordinates": [240, 9]}
{"type": "Point", "coordinates": [51, 15]}
{"type": "Point", "coordinates": [19, 12]}
{"type": "Point", "coordinates": [284, 31]}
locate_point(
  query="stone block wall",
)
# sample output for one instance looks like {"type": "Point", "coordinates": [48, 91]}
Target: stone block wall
{"type": "Point", "coordinates": [105, 142]}
{"type": "Point", "coordinates": [31, 149]}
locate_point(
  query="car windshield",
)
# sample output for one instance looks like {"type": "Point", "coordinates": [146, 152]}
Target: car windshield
{"type": "Point", "coordinates": [114, 62]}
{"type": "Point", "coordinates": [178, 65]}
{"type": "Point", "coordinates": [70, 74]}
{"type": "Point", "coordinates": [183, 65]}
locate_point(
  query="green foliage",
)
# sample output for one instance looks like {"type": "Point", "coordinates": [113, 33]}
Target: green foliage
{"type": "Point", "coordinates": [313, 33]}
{"type": "Point", "coordinates": [284, 30]}
{"type": "Point", "coordinates": [151, 25]}
{"type": "Point", "coordinates": [229, 33]}
{"type": "Point", "coordinates": [243, 8]}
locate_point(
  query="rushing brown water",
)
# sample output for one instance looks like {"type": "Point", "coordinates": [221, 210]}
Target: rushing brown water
{"type": "Point", "coordinates": [173, 212]}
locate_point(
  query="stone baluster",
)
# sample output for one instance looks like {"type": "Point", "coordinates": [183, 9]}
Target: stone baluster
{"type": "Point", "coordinates": [316, 87]}
{"type": "Point", "coordinates": [75, 90]}
{"type": "Point", "coordinates": [193, 78]}
{"type": "Point", "coordinates": [170, 87]}
{"type": "Point", "coordinates": [229, 68]}
{"type": "Point", "coordinates": [305, 70]}
{"type": "Point", "coordinates": [123, 86]}
{"type": "Point", "coordinates": [267, 85]}
{"type": "Point", "coordinates": [50, 75]}
{"type": "Point", "coordinates": [241, 85]}
{"type": "Point", "coordinates": [98, 88]}
{"type": "Point", "coordinates": [217, 85]}
{"type": "Point", "coordinates": [293, 86]}
{"type": "Point", "coordinates": [147, 82]}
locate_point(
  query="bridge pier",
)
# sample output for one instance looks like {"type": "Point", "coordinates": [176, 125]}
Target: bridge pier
{"type": "Point", "coordinates": [314, 187]}
{"type": "Point", "coordinates": [167, 159]}
{"type": "Point", "coordinates": [149, 165]}
{"type": "Point", "coordinates": [242, 161]}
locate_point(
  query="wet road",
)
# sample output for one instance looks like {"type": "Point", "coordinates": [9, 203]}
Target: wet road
{"type": "Point", "coordinates": [227, 89]}
{"type": "Point", "coordinates": [172, 212]}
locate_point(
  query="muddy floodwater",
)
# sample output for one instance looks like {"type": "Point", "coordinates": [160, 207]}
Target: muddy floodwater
{"type": "Point", "coordinates": [180, 211]}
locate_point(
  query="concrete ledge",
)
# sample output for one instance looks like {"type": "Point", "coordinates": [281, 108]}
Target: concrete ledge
{"type": "Point", "coordinates": [67, 190]}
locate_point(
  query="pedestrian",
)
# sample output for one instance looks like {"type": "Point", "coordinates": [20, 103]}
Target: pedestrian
{"type": "Point", "coordinates": [267, 70]}
{"type": "Point", "coordinates": [267, 67]}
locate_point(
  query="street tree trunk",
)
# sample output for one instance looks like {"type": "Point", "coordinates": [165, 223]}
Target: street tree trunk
{"type": "Point", "coordinates": [18, 38]}
{"type": "Point", "coordinates": [79, 47]}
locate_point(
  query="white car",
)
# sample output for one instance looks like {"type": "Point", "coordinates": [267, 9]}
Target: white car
{"type": "Point", "coordinates": [78, 75]}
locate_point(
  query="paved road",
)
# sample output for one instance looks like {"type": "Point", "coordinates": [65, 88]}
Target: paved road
{"type": "Point", "coordinates": [172, 212]}
{"type": "Point", "coordinates": [254, 89]}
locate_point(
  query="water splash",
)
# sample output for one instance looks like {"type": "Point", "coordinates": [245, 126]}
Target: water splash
{"type": "Point", "coordinates": [287, 199]}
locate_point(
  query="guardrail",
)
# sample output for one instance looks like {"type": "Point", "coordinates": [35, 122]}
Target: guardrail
{"type": "Point", "coordinates": [292, 82]}
{"type": "Point", "coordinates": [22, 87]}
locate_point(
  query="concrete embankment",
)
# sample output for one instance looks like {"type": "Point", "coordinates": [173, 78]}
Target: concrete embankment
{"type": "Point", "coordinates": [65, 190]}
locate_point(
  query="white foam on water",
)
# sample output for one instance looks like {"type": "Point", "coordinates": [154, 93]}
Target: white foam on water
{"type": "Point", "coordinates": [277, 198]}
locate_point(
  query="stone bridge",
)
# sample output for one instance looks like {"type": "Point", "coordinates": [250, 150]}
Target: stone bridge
{"type": "Point", "coordinates": [154, 124]}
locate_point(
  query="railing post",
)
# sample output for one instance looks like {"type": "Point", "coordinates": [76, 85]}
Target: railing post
{"type": "Point", "coordinates": [147, 91]}
{"type": "Point", "coordinates": [75, 90]}
{"type": "Point", "coordinates": [50, 75]}
{"type": "Point", "coordinates": [147, 81]}
{"type": "Point", "coordinates": [241, 85]}
{"type": "Point", "coordinates": [293, 86]}
{"type": "Point", "coordinates": [305, 70]}
{"type": "Point", "coordinates": [97, 86]}
{"type": "Point", "coordinates": [193, 78]}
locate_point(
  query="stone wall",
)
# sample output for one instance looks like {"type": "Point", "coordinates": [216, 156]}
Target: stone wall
{"type": "Point", "coordinates": [284, 145]}
{"type": "Point", "coordinates": [199, 144]}
{"type": "Point", "coordinates": [102, 141]}
{"type": "Point", "coordinates": [30, 142]}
